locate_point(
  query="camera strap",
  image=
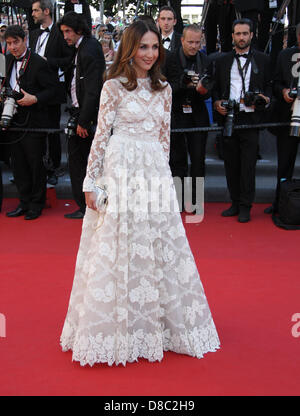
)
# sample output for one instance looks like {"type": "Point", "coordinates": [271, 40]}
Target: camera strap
{"type": "Point", "coordinates": [24, 64]}
{"type": "Point", "coordinates": [243, 71]}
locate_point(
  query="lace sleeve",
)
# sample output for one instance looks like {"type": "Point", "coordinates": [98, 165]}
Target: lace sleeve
{"type": "Point", "coordinates": [109, 101]}
{"type": "Point", "coordinates": [164, 136]}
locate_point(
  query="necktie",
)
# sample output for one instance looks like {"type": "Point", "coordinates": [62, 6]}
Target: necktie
{"type": "Point", "coordinates": [166, 40]}
{"type": "Point", "coordinates": [245, 55]}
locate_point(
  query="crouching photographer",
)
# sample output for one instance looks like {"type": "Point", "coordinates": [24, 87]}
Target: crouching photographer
{"type": "Point", "coordinates": [241, 95]}
{"type": "Point", "coordinates": [191, 86]}
{"type": "Point", "coordinates": [26, 91]}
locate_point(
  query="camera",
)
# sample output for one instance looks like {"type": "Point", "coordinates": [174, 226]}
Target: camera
{"type": "Point", "coordinates": [71, 129]}
{"type": "Point", "coordinates": [232, 108]}
{"type": "Point", "coordinates": [207, 81]}
{"type": "Point", "coordinates": [253, 98]}
{"type": "Point", "coordinates": [191, 76]}
{"type": "Point", "coordinates": [295, 119]}
{"type": "Point", "coordinates": [9, 98]}
{"type": "Point", "coordinates": [71, 126]}
{"type": "Point", "coordinates": [293, 93]}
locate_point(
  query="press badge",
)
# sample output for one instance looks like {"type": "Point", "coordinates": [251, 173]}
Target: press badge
{"type": "Point", "coordinates": [187, 109]}
{"type": "Point", "coordinates": [272, 4]}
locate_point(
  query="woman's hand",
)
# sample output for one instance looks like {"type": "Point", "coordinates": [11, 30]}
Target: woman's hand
{"type": "Point", "coordinates": [90, 199]}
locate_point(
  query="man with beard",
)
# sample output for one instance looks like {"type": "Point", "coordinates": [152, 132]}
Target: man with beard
{"type": "Point", "coordinates": [236, 74]}
{"type": "Point", "coordinates": [48, 42]}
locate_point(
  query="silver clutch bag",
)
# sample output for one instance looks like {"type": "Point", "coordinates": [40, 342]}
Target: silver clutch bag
{"type": "Point", "coordinates": [102, 198]}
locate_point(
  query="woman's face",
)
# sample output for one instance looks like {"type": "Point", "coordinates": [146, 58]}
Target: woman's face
{"type": "Point", "coordinates": [147, 54]}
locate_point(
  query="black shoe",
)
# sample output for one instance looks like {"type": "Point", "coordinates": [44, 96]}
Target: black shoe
{"type": "Point", "coordinates": [77, 215]}
{"type": "Point", "coordinates": [231, 212]}
{"type": "Point", "coordinates": [52, 179]}
{"type": "Point", "coordinates": [16, 213]}
{"type": "Point", "coordinates": [244, 214]}
{"type": "Point", "coordinates": [32, 215]}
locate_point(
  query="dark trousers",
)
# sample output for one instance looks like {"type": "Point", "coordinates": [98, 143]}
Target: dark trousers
{"type": "Point", "coordinates": [263, 36]}
{"type": "Point", "coordinates": [29, 170]}
{"type": "Point", "coordinates": [240, 155]}
{"type": "Point", "coordinates": [287, 148]}
{"type": "Point", "coordinates": [220, 17]}
{"type": "Point", "coordinates": [78, 150]}
{"type": "Point", "coordinates": [184, 145]}
{"type": "Point", "coordinates": [54, 142]}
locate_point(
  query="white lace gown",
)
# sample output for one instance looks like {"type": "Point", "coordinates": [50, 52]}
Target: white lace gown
{"type": "Point", "coordinates": [136, 290]}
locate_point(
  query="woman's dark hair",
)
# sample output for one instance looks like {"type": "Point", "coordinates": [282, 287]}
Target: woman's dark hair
{"type": "Point", "coordinates": [129, 45]}
{"type": "Point", "coordinates": [14, 31]}
{"type": "Point", "coordinates": [76, 22]}
{"type": "Point", "coordinates": [243, 21]}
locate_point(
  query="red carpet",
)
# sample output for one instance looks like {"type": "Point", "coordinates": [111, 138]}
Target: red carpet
{"type": "Point", "coordinates": [251, 275]}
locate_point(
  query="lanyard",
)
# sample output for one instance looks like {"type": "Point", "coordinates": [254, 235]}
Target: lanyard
{"type": "Point", "coordinates": [243, 71]}
{"type": "Point", "coordinates": [24, 64]}
{"type": "Point", "coordinates": [40, 44]}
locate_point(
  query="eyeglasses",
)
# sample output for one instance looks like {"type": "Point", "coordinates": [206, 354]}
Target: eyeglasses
{"type": "Point", "coordinates": [2, 30]}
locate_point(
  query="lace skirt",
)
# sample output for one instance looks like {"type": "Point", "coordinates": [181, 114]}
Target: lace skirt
{"type": "Point", "coordinates": [136, 291]}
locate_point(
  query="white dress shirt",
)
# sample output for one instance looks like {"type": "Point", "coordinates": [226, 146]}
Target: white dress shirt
{"type": "Point", "coordinates": [236, 84]}
{"type": "Point", "coordinates": [15, 74]}
{"type": "Point", "coordinates": [42, 42]}
{"type": "Point", "coordinates": [167, 43]}
{"type": "Point", "coordinates": [73, 82]}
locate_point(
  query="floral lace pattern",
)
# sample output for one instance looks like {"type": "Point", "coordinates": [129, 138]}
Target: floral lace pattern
{"type": "Point", "coordinates": [136, 291]}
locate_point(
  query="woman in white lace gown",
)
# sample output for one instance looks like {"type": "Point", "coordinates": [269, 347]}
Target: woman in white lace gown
{"type": "Point", "coordinates": [136, 290]}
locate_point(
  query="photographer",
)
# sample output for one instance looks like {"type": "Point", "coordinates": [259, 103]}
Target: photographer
{"type": "Point", "coordinates": [184, 69]}
{"type": "Point", "coordinates": [242, 91]}
{"type": "Point", "coordinates": [84, 86]}
{"type": "Point", "coordinates": [48, 42]}
{"type": "Point", "coordinates": [32, 86]}
{"type": "Point", "coordinates": [285, 92]}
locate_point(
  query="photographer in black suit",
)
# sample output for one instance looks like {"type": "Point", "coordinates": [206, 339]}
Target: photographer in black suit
{"type": "Point", "coordinates": [48, 42]}
{"type": "Point", "coordinates": [184, 69]}
{"type": "Point", "coordinates": [238, 73]}
{"type": "Point", "coordinates": [84, 86]}
{"type": "Point", "coordinates": [285, 83]}
{"type": "Point", "coordinates": [29, 77]}
{"type": "Point", "coordinates": [167, 20]}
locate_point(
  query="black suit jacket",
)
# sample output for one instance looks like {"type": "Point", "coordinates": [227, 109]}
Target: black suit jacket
{"type": "Point", "coordinates": [58, 54]}
{"type": "Point", "coordinates": [89, 80]}
{"type": "Point", "coordinates": [174, 71]}
{"type": "Point", "coordinates": [286, 66]}
{"type": "Point", "coordinates": [175, 42]}
{"type": "Point", "coordinates": [260, 78]}
{"type": "Point", "coordinates": [37, 80]}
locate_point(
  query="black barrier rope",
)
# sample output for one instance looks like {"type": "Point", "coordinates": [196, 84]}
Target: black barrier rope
{"type": "Point", "coordinates": [186, 130]}
{"type": "Point", "coordinates": [236, 127]}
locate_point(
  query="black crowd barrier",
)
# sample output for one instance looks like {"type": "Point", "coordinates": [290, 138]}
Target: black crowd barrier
{"type": "Point", "coordinates": [186, 130]}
